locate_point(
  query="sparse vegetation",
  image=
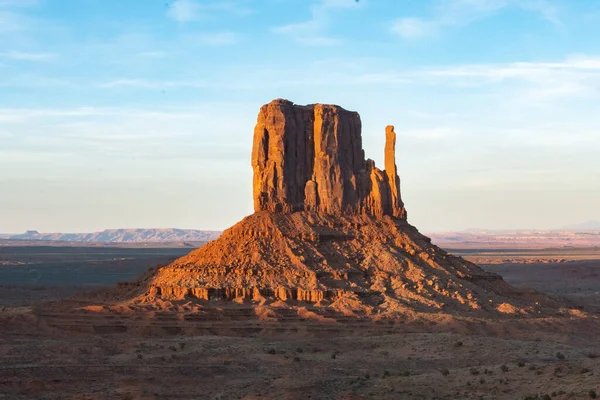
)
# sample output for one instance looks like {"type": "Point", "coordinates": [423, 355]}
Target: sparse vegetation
{"type": "Point", "coordinates": [560, 356]}
{"type": "Point", "coordinates": [592, 393]}
{"type": "Point", "coordinates": [504, 368]}
{"type": "Point", "coordinates": [445, 372]}
{"type": "Point", "coordinates": [458, 344]}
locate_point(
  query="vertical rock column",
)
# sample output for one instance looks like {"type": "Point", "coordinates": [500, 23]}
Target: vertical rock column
{"type": "Point", "coordinates": [397, 206]}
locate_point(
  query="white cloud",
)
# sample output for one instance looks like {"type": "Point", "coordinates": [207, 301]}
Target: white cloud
{"type": "Point", "coordinates": [413, 28]}
{"type": "Point", "coordinates": [18, 3]}
{"type": "Point", "coordinates": [340, 3]}
{"type": "Point", "coordinates": [12, 17]}
{"type": "Point", "coordinates": [26, 56]}
{"type": "Point", "coordinates": [536, 81]}
{"type": "Point", "coordinates": [429, 134]}
{"type": "Point", "coordinates": [10, 22]}
{"type": "Point", "coordinates": [26, 114]}
{"type": "Point", "coordinates": [313, 30]}
{"type": "Point", "coordinates": [148, 84]}
{"type": "Point", "coordinates": [191, 10]}
{"type": "Point", "coordinates": [319, 41]}
{"type": "Point", "coordinates": [456, 13]}
{"type": "Point", "coordinates": [151, 54]}
{"type": "Point", "coordinates": [217, 39]}
{"type": "Point", "coordinates": [184, 10]}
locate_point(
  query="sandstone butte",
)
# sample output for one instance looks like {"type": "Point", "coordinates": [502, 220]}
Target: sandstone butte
{"type": "Point", "coordinates": [330, 232]}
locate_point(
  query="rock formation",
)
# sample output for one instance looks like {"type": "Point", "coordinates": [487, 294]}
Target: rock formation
{"type": "Point", "coordinates": [310, 158]}
{"type": "Point", "coordinates": [329, 230]}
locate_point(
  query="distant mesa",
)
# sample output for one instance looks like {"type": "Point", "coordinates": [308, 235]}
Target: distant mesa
{"type": "Point", "coordinates": [124, 236]}
{"type": "Point", "coordinates": [329, 231]}
{"type": "Point", "coordinates": [584, 226]}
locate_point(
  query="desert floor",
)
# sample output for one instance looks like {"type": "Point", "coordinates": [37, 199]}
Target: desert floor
{"type": "Point", "coordinates": [294, 359]}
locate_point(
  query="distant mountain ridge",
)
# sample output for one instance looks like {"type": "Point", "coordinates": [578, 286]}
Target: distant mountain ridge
{"type": "Point", "coordinates": [517, 238]}
{"type": "Point", "coordinates": [125, 236]}
{"type": "Point", "coordinates": [584, 226]}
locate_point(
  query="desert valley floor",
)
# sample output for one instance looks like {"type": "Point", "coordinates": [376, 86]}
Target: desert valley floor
{"type": "Point", "coordinates": [52, 356]}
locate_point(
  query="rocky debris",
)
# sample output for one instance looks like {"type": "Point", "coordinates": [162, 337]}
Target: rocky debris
{"type": "Point", "coordinates": [353, 263]}
{"type": "Point", "coordinates": [311, 158]}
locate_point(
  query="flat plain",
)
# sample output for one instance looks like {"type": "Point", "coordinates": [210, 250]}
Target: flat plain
{"type": "Point", "coordinates": [293, 359]}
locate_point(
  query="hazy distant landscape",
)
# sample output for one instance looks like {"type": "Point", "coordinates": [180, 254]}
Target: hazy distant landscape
{"type": "Point", "coordinates": [582, 235]}
{"type": "Point", "coordinates": [121, 236]}
{"type": "Point", "coordinates": [526, 239]}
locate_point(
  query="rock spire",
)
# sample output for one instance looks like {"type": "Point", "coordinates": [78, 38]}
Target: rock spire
{"type": "Point", "coordinates": [310, 158]}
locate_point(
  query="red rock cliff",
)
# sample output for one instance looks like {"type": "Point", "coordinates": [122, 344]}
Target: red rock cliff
{"type": "Point", "coordinates": [311, 158]}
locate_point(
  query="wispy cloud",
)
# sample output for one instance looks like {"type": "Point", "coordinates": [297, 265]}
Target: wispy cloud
{"type": "Point", "coordinates": [216, 39]}
{"type": "Point", "coordinates": [77, 114]}
{"type": "Point", "coordinates": [413, 28]}
{"type": "Point", "coordinates": [191, 10]}
{"type": "Point", "coordinates": [575, 76]}
{"type": "Point", "coordinates": [152, 54]}
{"type": "Point", "coordinates": [184, 10]}
{"type": "Point", "coordinates": [149, 84]}
{"type": "Point", "coordinates": [12, 17]}
{"type": "Point", "coordinates": [431, 134]}
{"type": "Point", "coordinates": [18, 3]}
{"type": "Point", "coordinates": [11, 21]}
{"type": "Point", "coordinates": [27, 56]}
{"type": "Point", "coordinates": [314, 30]}
{"type": "Point", "coordinates": [456, 13]}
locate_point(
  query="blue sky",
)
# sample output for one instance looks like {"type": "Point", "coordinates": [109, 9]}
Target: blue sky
{"type": "Point", "coordinates": [140, 113]}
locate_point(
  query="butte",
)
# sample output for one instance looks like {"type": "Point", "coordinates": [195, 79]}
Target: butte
{"type": "Point", "coordinates": [329, 232]}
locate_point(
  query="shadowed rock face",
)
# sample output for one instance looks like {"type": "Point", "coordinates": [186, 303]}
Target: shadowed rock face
{"type": "Point", "coordinates": [310, 158]}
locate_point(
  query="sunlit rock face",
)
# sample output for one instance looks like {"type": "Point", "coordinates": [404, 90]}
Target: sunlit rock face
{"type": "Point", "coordinates": [329, 229]}
{"type": "Point", "coordinates": [310, 158]}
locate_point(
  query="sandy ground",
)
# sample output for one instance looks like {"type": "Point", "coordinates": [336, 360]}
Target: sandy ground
{"type": "Point", "coordinates": [296, 359]}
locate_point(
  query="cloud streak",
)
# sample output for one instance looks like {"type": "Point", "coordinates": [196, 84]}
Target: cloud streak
{"type": "Point", "coordinates": [216, 39]}
{"type": "Point", "coordinates": [27, 56]}
{"type": "Point", "coordinates": [457, 13]}
{"type": "Point", "coordinates": [313, 31]}
{"type": "Point", "coordinates": [184, 11]}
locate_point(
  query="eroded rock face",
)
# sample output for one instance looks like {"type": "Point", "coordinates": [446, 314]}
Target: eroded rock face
{"type": "Point", "coordinates": [329, 229]}
{"type": "Point", "coordinates": [310, 158]}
